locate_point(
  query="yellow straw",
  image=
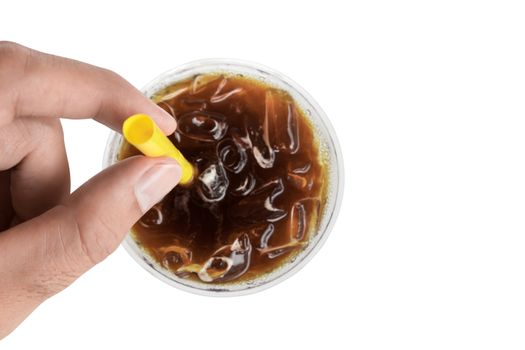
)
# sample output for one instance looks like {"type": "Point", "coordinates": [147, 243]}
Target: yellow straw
{"type": "Point", "coordinates": [142, 132]}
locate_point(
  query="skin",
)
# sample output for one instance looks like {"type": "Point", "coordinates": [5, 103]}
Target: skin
{"type": "Point", "coordinates": [49, 236]}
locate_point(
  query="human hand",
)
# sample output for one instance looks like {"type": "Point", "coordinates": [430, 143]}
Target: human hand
{"type": "Point", "coordinates": [50, 237]}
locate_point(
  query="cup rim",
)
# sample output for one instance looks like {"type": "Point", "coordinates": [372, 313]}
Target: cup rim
{"type": "Point", "coordinates": [289, 268]}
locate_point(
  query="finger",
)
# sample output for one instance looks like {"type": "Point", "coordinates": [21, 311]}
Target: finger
{"type": "Point", "coordinates": [37, 84]}
{"type": "Point", "coordinates": [41, 179]}
{"type": "Point", "coordinates": [47, 253]}
{"type": "Point", "coordinates": [34, 155]}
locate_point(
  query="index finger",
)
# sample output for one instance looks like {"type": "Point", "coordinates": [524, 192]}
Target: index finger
{"type": "Point", "coordinates": [33, 83]}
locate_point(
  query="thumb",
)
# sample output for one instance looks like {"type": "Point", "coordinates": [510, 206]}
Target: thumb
{"type": "Point", "coordinates": [105, 208]}
{"type": "Point", "coordinates": [42, 256]}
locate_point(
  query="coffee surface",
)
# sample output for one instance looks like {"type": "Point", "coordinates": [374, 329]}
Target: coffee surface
{"type": "Point", "coordinates": [259, 188]}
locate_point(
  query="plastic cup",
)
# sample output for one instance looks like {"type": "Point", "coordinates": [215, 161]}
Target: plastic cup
{"type": "Point", "coordinates": [328, 145]}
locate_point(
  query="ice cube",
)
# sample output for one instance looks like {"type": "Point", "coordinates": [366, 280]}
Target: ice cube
{"type": "Point", "coordinates": [227, 263]}
{"type": "Point", "coordinates": [299, 168]}
{"type": "Point", "coordinates": [258, 205]}
{"type": "Point", "coordinates": [259, 140]}
{"type": "Point", "coordinates": [171, 95]}
{"type": "Point", "coordinates": [237, 256]}
{"type": "Point", "coordinates": [232, 154]}
{"type": "Point", "coordinates": [266, 235]}
{"type": "Point", "coordinates": [279, 113]}
{"type": "Point", "coordinates": [299, 175]}
{"type": "Point", "coordinates": [215, 268]}
{"type": "Point", "coordinates": [172, 257]}
{"type": "Point", "coordinates": [212, 183]}
{"type": "Point", "coordinates": [202, 126]}
{"type": "Point", "coordinates": [202, 82]}
{"type": "Point", "coordinates": [244, 187]}
{"type": "Point", "coordinates": [292, 128]}
{"type": "Point", "coordinates": [304, 218]}
{"type": "Point", "coordinates": [220, 95]}
{"type": "Point", "coordinates": [186, 270]}
{"type": "Point", "coordinates": [153, 217]}
{"type": "Point", "coordinates": [274, 252]}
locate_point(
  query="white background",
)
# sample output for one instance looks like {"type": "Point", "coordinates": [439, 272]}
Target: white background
{"type": "Point", "coordinates": [427, 98]}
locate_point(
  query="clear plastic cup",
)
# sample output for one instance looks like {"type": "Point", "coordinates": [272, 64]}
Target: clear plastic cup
{"type": "Point", "coordinates": [328, 145]}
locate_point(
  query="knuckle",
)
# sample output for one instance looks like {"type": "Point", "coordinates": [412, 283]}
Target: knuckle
{"type": "Point", "coordinates": [115, 80]}
{"type": "Point", "coordinates": [12, 55]}
{"type": "Point", "coordinates": [13, 58]}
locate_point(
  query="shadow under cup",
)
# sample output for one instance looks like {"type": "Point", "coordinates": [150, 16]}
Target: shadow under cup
{"type": "Point", "coordinates": [328, 147]}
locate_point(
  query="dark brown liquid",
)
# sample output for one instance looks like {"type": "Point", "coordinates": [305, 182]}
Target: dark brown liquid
{"type": "Point", "coordinates": [259, 190]}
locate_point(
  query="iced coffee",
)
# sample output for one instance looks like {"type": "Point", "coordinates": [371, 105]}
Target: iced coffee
{"type": "Point", "coordinates": [259, 188]}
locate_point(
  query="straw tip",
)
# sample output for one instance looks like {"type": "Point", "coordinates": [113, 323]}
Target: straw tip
{"type": "Point", "coordinates": [138, 128]}
{"type": "Point", "coordinates": [188, 174]}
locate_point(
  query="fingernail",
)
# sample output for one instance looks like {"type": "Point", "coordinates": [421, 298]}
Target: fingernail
{"type": "Point", "coordinates": [156, 183]}
{"type": "Point", "coordinates": [169, 119]}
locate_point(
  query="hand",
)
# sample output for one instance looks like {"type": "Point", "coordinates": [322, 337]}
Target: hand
{"type": "Point", "coordinates": [50, 237]}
